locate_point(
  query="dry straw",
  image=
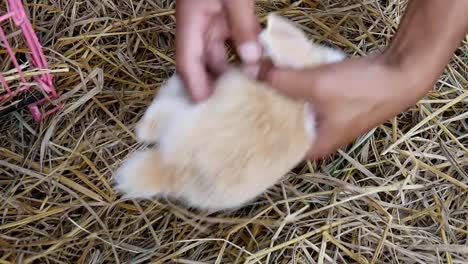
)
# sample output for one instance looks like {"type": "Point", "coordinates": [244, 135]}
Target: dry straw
{"type": "Point", "coordinates": [396, 195]}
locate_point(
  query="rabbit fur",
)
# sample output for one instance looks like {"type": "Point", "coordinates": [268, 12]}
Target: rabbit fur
{"type": "Point", "coordinates": [227, 150]}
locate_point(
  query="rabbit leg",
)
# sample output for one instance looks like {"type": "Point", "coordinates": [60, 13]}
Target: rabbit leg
{"type": "Point", "coordinates": [144, 175]}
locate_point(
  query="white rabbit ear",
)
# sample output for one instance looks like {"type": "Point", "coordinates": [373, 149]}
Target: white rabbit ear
{"type": "Point", "coordinates": [283, 28]}
{"type": "Point", "coordinates": [284, 43]}
{"type": "Point", "coordinates": [288, 46]}
{"type": "Point", "coordinates": [331, 55]}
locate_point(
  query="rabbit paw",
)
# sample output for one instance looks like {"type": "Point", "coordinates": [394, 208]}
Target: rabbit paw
{"type": "Point", "coordinates": [141, 176]}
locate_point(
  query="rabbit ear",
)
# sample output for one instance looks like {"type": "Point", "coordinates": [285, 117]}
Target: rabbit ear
{"type": "Point", "coordinates": [284, 43]}
{"type": "Point", "coordinates": [282, 28]}
{"type": "Point", "coordinates": [288, 46]}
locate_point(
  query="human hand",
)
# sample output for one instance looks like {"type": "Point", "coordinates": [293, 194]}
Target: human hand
{"type": "Point", "coordinates": [349, 98]}
{"type": "Point", "coordinates": [202, 28]}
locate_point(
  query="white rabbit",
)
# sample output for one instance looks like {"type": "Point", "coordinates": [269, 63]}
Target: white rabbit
{"type": "Point", "coordinates": [229, 149]}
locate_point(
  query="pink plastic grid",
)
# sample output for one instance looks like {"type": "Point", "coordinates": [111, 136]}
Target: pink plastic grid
{"type": "Point", "coordinates": [17, 14]}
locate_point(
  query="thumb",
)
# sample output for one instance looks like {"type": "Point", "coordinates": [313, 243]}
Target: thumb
{"type": "Point", "coordinates": [245, 29]}
{"type": "Point", "coordinates": [296, 84]}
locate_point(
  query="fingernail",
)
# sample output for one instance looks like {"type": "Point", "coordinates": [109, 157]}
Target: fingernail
{"type": "Point", "coordinates": [250, 52]}
{"type": "Point", "coordinates": [251, 71]}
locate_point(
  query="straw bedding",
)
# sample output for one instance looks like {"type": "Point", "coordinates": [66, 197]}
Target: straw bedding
{"type": "Point", "coordinates": [396, 195]}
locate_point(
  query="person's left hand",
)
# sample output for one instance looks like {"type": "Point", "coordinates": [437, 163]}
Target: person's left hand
{"type": "Point", "coordinates": [202, 28]}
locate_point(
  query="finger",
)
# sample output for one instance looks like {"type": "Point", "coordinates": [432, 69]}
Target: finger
{"type": "Point", "coordinates": [328, 140]}
{"type": "Point", "coordinates": [259, 70]}
{"type": "Point", "coordinates": [297, 84]}
{"type": "Point", "coordinates": [216, 53]}
{"type": "Point", "coordinates": [319, 82]}
{"type": "Point", "coordinates": [244, 29]}
{"type": "Point", "coordinates": [330, 136]}
{"type": "Point", "coordinates": [321, 149]}
{"type": "Point", "coordinates": [192, 21]}
{"type": "Point", "coordinates": [216, 57]}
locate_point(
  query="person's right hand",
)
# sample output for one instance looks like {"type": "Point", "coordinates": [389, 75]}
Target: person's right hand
{"type": "Point", "coordinates": [349, 98]}
{"type": "Point", "coordinates": [353, 96]}
{"type": "Point", "coordinates": [203, 26]}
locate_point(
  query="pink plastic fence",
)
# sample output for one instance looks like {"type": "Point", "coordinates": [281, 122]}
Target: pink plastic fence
{"type": "Point", "coordinates": [16, 13]}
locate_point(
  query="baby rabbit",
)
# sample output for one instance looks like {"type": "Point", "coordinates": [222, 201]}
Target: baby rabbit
{"type": "Point", "coordinates": [229, 149]}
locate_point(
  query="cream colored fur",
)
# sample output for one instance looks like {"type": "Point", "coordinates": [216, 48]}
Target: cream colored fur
{"type": "Point", "coordinates": [229, 149]}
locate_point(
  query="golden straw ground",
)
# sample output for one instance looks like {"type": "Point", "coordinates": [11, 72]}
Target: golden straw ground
{"type": "Point", "coordinates": [396, 195]}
